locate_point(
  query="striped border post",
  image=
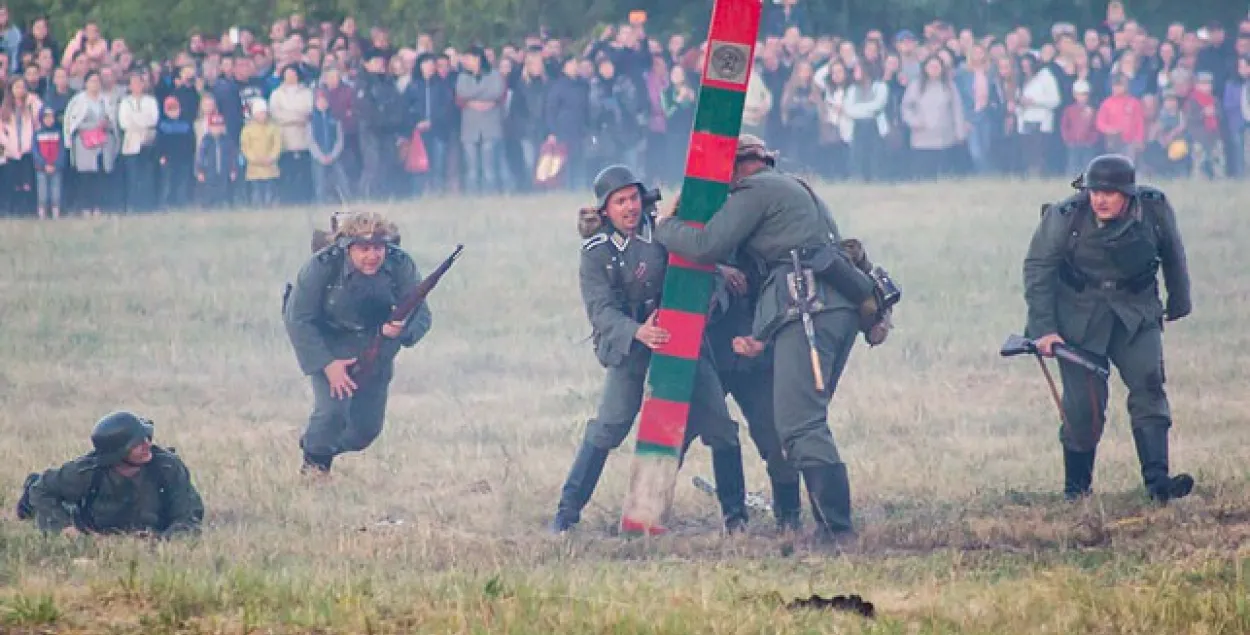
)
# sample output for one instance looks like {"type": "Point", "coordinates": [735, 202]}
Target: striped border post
{"type": "Point", "coordinates": [688, 286]}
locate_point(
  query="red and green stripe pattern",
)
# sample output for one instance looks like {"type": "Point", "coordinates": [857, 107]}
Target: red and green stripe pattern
{"type": "Point", "coordinates": [688, 286]}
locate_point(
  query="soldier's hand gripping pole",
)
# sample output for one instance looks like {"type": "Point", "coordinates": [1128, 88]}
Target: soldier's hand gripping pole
{"type": "Point", "coordinates": [802, 296]}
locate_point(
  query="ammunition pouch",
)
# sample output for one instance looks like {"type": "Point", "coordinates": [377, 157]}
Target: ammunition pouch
{"type": "Point", "coordinates": [876, 311]}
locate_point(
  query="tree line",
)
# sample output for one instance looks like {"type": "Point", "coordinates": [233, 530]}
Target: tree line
{"type": "Point", "coordinates": [156, 29]}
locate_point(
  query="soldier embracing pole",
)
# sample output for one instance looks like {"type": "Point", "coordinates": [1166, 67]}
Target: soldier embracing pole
{"type": "Point", "coordinates": [688, 286]}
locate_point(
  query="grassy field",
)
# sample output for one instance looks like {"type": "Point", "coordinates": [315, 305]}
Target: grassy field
{"type": "Point", "coordinates": [953, 452]}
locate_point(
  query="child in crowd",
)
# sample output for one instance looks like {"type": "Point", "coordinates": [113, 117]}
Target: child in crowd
{"type": "Point", "coordinates": [216, 165]}
{"type": "Point", "coordinates": [175, 151]}
{"type": "Point", "coordinates": [326, 132]}
{"type": "Point", "coordinates": [1079, 128]}
{"type": "Point", "coordinates": [51, 158]}
{"type": "Point", "coordinates": [261, 145]}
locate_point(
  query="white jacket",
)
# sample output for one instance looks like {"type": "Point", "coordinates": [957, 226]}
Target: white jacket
{"type": "Point", "coordinates": [1043, 91]}
{"type": "Point", "coordinates": [137, 120]}
{"type": "Point", "coordinates": [874, 108]}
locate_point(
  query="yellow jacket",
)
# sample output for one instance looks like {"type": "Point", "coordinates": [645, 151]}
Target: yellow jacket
{"type": "Point", "coordinates": [261, 143]}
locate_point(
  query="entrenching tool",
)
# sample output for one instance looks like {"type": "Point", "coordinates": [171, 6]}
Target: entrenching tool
{"type": "Point", "coordinates": [801, 291]}
{"type": "Point", "coordinates": [688, 286]}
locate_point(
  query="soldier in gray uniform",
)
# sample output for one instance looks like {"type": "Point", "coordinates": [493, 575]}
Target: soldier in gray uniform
{"type": "Point", "coordinates": [1090, 280]}
{"type": "Point", "coordinates": [750, 382]}
{"type": "Point", "coordinates": [621, 276]}
{"type": "Point", "coordinates": [343, 296]}
{"type": "Point", "coordinates": [766, 215]}
{"type": "Point", "coordinates": [125, 485]}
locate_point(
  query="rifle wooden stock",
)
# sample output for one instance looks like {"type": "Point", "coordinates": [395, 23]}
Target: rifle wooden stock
{"type": "Point", "coordinates": [367, 361]}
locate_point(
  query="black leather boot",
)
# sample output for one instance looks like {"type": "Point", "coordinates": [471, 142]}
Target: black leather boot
{"type": "Point", "coordinates": [788, 505]}
{"type": "Point", "coordinates": [829, 491]}
{"type": "Point", "coordinates": [1078, 474]}
{"type": "Point", "coordinates": [1152, 452]}
{"type": "Point", "coordinates": [731, 487]}
{"type": "Point", "coordinates": [316, 464]}
{"type": "Point", "coordinates": [580, 484]}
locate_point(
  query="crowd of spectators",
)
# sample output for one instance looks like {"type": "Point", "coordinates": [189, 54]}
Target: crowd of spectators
{"type": "Point", "coordinates": [321, 113]}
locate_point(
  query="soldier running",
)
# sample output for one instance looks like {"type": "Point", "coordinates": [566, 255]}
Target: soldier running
{"type": "Point", "coordinates": [621, 276]}
{"type": "Point", "coordinates": [125, 485]}
{"type": "Point", "coordinates": [1090, 280]}
{"type": "Point", "coordinates": [344, 294]}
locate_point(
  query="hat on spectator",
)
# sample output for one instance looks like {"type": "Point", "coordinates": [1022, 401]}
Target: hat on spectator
{"type": "Point", "coordinates": [258, 105]}
{"type": "Point", "coordinates": [904, 34]}
{"type": "Point", "coordinates": [1080, 86]}
{"type": "Point", "coordinates": [1204, 76]}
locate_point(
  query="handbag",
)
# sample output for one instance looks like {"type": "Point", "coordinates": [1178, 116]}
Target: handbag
{"type": "Point", "coordinates": [418, 160]}
{"type": "Point", "coordinates": [93, 138]}
{"type": "Point", "coordinates": [550, 165]}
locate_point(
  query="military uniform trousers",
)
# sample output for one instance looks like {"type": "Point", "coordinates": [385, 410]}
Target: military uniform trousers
{"type": "Point", "coordinates": [350, 424]}
{"type": "Point", "coordinates": [752, 390]}
{"type": "Point", "coordinates": [800, 412]}
{"type": "Point", "coordinates": [622, 399]}
{"type": "Point", "coordinates": [1139, 359]}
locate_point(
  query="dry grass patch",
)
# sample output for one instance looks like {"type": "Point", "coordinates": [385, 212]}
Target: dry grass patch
{"type": "Point", "coordinates": [439, 528]}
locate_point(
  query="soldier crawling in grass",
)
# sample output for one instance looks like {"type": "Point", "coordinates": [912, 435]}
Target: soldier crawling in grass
{"type": "Point", "coordinates": [1090, 280]}
{"type": "Point", "coordinates": [344, 295]}
{"type": "Point", "coordinates": [621, 277]}
{"type": "Point", "coordinates": [125, 485]}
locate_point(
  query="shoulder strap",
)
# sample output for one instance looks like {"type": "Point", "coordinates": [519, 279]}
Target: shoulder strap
{"type": "Point", "coordinates": [162, 481]}
{"type": "Point", "coordinates": [825, 218]}
{"type": "Point", "coordinates": [86, 515]}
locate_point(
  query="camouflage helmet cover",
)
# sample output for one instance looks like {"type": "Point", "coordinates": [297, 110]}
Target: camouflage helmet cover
{"type": "Point", "coordinates": [364, 227]}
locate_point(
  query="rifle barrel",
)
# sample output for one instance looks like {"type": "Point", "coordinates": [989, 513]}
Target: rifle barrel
{"type": "Point", "coordinates": [1068, 354]}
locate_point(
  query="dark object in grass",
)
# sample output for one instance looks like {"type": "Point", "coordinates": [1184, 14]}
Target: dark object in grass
{"type": "Point", "coordinates": [849, 603]}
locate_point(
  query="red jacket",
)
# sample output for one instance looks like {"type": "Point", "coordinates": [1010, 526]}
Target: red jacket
{"type": "Point", "coordinates": [1123, 115]}
{"type": "Point", "coordinates": [1079, 126]}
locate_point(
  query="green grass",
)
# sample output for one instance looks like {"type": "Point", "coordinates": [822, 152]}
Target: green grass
{"type": "Point", "coordinates": [953, 452]}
